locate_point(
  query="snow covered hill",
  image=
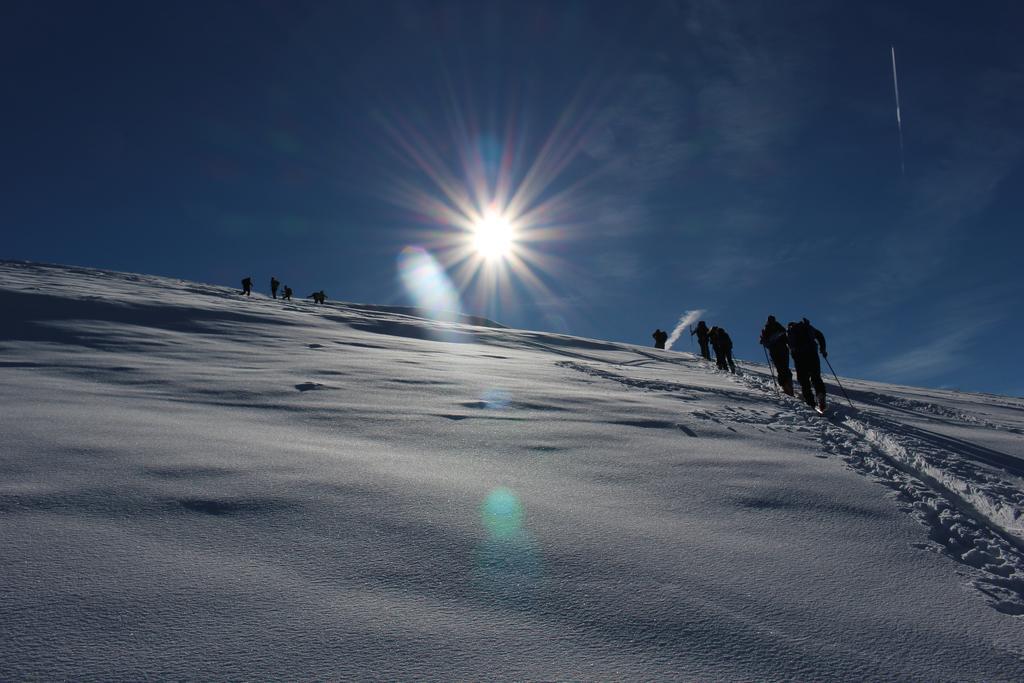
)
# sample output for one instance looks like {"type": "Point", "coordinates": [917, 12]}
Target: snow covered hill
{"type": "Point", "coordinates": [194, 485]}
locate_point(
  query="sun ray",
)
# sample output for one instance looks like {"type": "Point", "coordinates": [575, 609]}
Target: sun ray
{"type": "Point", "coordinates": [491, 207]}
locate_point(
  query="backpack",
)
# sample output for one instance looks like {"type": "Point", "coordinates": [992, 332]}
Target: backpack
{"type": "Point", "coordinates": [801, 338]}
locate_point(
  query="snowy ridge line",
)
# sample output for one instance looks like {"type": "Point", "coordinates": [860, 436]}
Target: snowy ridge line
{"type": "Point", "coordinates": [938, 411]}
{"type": "Point", "coordinates": [957, 525]}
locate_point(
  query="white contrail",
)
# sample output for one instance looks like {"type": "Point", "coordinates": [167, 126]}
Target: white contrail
{"type": "Point", "coordinates": [685, 320]}
{"type": "Point", "coordinates": [899, 121]}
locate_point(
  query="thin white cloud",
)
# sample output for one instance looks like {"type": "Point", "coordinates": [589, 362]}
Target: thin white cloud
{"type": "Point", "coordinates": [724, 101]}
{"type": "Point", "coordinates": [736, 266]}
{"type": "Point", "coordinates": [959, 328]}
{"type": "Point", "coordinates": [643, 137]}
{"type": "Point", "coordinates": [942, 355]}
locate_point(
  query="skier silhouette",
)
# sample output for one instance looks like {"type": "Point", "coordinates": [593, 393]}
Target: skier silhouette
{"type": "Point", "coordinates": [287, 296]}
{"type": "Point", "coordinates": [274, 284]}
{"type": "Point", "coordinates": [318, 297]}
{"type": "Point", "coordinates": [247, 286]}
{"type": "Point", "coordinates": [805, 341]}
{"type": "Point", "coordinates": [702, 338]}
{"type": "Point", "coordinates": [660, 337]}
{"type": "Point", "coordinates": [773, 338]}
{"type": "Point", "coordinates": [722, 343]}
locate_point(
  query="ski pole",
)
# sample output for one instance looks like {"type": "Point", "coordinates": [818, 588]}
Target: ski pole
{"type": "Point", "coordinates": [838, 382]}
{"type": "Point", "coordinates": [771, 369]}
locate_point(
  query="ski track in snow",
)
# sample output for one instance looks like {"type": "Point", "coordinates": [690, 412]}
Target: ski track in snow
{"type": "Point", "coordinates": [198, 486]}
{"type": "Point", "coordinates": [973, 515]}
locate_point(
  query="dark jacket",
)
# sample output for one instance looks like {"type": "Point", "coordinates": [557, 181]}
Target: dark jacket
{"type": "Point", "coordinates": [773, 336]}
{"type": "Point", "coordinates": [720, 339]}
{"type": "Point", "coordinates": [802, 337]}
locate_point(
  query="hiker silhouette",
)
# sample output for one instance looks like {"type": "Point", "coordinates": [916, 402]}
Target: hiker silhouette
{"type": "Point", "coordinates": [805, 341]}
{"type": "Point", "coordinates": [722, 344]}
{"type": "Point", "coordinates": [773, 338]}
{"type": "Point", "coordinates": [660, 337]}
{"type": "Point", "coordinates": [702, 333]}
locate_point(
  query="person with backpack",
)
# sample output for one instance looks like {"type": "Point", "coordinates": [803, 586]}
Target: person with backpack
{"type": "Point", "coordinates": [702, 333]}
{"type": "Point", "coordinates": [287, 296]}
{"type": "Point", "coordinates": [318, 297]}
{"type": "Point", "coordinates": [247, 286]}
{"type": "Point", "coordinates": [773, 338]}
{"type": "Point", "coordinates": [722, 343]}
{"type": "Point", "coordinates": [274, 284]}
{"type": "Point", "coordinates": [805, 341]}
{"type": "Point", "coordinates": [660, 337]}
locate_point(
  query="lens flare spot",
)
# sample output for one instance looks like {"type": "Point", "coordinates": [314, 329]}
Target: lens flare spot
{"type": "Point", "coordinates": [428, 285]}
{"type": "Point", "coordinates": [493, 236]}
{"type": "Point", "coordinates": [496, 399]}
{"type": "Point", "coordinates": [502, 513]}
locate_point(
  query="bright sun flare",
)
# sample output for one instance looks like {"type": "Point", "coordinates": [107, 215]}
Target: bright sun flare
{"type": "Point", "coordinates": [493, 236]}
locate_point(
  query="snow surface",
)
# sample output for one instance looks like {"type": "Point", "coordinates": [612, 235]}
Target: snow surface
{"type": "Point", "coordinates": [194, 485]}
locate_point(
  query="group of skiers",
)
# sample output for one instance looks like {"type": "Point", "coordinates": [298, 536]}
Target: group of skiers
{"type": "Point", "coordinates": [717, 337]}
{"type": "Point", "coordinates": [803, 341]}
{"type": "Point", "coordinates": [720, 342]}
{"type": "Point", "coordinates": [799, 339]}
{"type": "Point", "coordinates": [275, 284]}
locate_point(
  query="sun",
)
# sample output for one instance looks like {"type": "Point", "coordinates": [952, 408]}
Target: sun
{"type": "Point", "coordinates": [492, 217]}
{"type": "Point", "coordinates": [493, 236]}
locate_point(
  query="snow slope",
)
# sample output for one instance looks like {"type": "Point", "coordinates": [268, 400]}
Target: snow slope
{"type": "Point", "coordinates": [198, 486]}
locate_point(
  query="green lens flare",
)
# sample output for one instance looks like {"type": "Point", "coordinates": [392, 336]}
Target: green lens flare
{"type": "Point", "coordinates": [502, 513]}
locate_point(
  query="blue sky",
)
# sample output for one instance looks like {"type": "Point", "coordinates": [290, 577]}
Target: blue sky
{"type": "Point", "coordinates": [738, 157]}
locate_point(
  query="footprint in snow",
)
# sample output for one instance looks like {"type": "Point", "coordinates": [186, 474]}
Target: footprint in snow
{"type": "Point", "coordinates": [644, 424]}
{"type": "Point", "coordinates": [311, 386]}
